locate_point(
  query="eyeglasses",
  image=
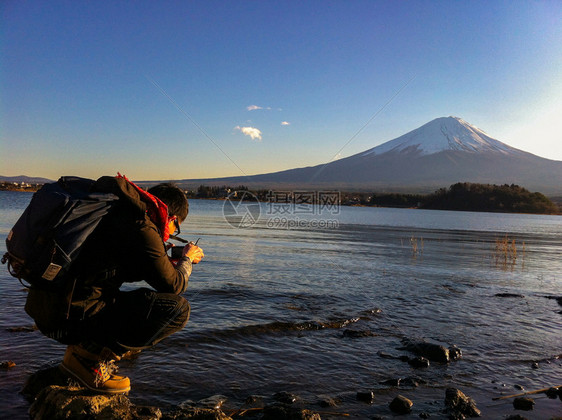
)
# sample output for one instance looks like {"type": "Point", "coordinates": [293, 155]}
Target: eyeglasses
{"type": "Point", "coordinates": [176, 224]}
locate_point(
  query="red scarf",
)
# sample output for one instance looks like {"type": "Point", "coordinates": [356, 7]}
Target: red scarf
{"type": "Point", "coordinates": [156, 209]}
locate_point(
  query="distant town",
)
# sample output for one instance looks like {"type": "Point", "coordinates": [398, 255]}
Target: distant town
{"type": "Point", "coordinates": [19, 186]}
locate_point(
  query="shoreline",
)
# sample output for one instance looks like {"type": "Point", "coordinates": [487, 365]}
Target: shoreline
{"type": "Point", "coordinates": [51, 396]}
{"type": "Point", "coordinates": [349, 203]}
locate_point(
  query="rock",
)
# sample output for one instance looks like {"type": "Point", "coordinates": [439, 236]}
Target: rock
{"type": "Point", "coordinates": [56, 402]}
{"type": "Point", "coordinates": [458, 403]}
{"type": "Point", "coordinates": [195, 413]}
{"type": "Point", "coordinates": [288, 412]}
{"type": "Point", "coordinates": [431, 351]}
{"type": "Point", "coordinates": [519, 387]}
{"type": "Point", "coordinates": [8, 364]}
{"type": "Point", "coordinates": [41, 380]}
{"type": "Point", "coordinates": [187, 404]}
{"type": "Point", "coordinates": [424, 415]}
{"type": "Point", "coordinates": [523, 403]}
{"type": "Point", "coordinates": [454, 353]}
{"type": "Point", "coordinates": [385, 355]}
{"type": "Point", "coordinates": [254, 401]}
{"type": "Point", "coordinates": [412, 381]}
{"type": "Point", "coordinates": [286, 397]}
{"type": "Point", "coordinates": [366, 396]}
{"type": "Point", "coordinates": [535, 365]}
{"type": "Point", "coordinates": [325, 401]}
{"type": "Point", "coordinates": [146, 413]}
{"type": "Point", "coordinates": [552, 392]}
{"type": "Point", "coordinates": [419, 362]}
{"type": "Point", "coordinates": [214, 402]}
{"type": "Point", "coordinates": [409, 382]}
{"type": "Point", "coordinates": [401, 405]}
{"type": "Point", "coordinates": [53, 398]}
{"type": "Point", "coordinates": [391, 382]}
{"type": "Point", "coordinates": [509, 295]}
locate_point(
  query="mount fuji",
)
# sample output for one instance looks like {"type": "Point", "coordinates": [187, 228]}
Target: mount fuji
{"type": "Point", "coordinates": [444, 134]}
{"type": "Point", "coordinates": [440, 153]}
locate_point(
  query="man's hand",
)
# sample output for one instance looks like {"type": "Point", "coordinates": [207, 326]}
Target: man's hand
{"type": "Point", "coordinates": [193, 252]}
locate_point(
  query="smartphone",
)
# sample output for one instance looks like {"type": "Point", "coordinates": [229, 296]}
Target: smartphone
{"type": "Point", "coordinates": [176, 252]}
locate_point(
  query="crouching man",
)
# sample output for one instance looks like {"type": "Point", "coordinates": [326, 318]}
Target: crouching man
{"type": "Point", "coordinates": [97, 320]}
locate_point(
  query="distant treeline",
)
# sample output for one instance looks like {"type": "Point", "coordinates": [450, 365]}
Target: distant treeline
{"type": "Point", "coordinates": [485, 197]}
{"type": "Point", "coordinates": [469, 197]}
{"type": "Point", "coordinates": [205, 191]}
{"type": "Point", "coordinates": [461, 196]}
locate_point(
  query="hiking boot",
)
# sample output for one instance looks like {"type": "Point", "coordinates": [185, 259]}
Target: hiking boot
{"type": "Point", "coordinates": [92, 372]}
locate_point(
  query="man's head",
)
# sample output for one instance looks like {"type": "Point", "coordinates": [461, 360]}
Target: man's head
{"type": "Point", "coordinates": [173, 197]}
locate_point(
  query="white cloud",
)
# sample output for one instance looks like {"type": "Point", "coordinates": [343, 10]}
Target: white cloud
{"type": "Point", "coordinates": [285, 123]}
{"type": "Point", "coordinates": [253, 132]}
{"type": "Point", "coordinates": [255, 107]}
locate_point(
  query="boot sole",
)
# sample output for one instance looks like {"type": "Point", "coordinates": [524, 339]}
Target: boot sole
{"type": "Point", "coordinates": [104, 391]}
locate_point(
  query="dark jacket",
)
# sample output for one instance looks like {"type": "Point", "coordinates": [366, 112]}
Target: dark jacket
{"type": "Point", "coordinates": [125, 247]}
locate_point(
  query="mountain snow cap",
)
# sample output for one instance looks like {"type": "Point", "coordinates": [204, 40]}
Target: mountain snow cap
{"type": "Point", "coordinates": [446, 133]}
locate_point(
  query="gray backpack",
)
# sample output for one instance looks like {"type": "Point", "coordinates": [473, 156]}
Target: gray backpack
{"type": "Point", "coordinates": [49, 235]}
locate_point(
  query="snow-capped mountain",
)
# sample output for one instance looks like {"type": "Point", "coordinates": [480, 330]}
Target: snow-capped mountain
{"type": "Point", "coordinates": [447, 133]}
{"type": "Point", "coordinates": [440, 153]}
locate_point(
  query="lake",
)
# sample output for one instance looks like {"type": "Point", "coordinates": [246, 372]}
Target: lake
{"type": "Point", "coordinates": [306, 299]}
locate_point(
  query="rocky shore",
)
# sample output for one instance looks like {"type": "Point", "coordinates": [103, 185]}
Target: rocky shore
{"type": "Point", "coordinates": [53, 396]}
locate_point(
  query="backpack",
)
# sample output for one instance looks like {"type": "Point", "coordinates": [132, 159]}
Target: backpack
{"type": "Point", "coordinates": [49, 235]}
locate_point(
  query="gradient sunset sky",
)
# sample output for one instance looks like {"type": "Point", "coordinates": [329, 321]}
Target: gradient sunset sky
{"type": "Point", "coordinates": [198, 89]}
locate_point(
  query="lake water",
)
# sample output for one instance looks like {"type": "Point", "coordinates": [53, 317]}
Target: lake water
{"type": "Point", "coordinates": [271, 302]}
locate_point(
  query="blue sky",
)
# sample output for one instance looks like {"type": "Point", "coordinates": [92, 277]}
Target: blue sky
{"type": "Point", "coordinates": [195, 89]}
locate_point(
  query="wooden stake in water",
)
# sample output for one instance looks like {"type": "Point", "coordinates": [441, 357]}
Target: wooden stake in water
{"type": "Point", "coordinates": [538, 391]}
